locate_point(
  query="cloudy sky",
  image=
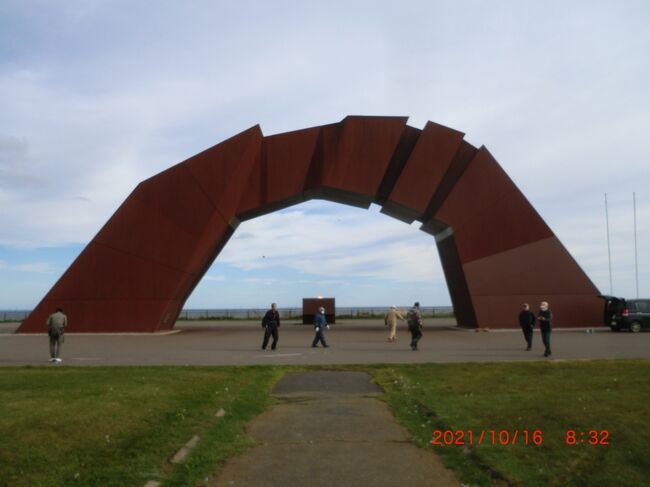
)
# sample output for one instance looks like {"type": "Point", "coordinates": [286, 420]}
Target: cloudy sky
{"type": "Point", "coordinates": [97, 95]}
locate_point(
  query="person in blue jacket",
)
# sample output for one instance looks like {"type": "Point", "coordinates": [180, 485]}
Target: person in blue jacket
{"type": "Point", "coordinates": [320, 323]}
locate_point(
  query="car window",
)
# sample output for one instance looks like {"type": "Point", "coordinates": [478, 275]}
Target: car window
{"type": "Point", "coordinates": [643, 306]}
{"type": "Point", "coordinates": [613, 306]}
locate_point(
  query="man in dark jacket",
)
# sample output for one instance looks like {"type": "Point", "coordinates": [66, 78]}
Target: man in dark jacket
{"type": "Point", "coordinates": [271, 323]}
{"type": "Point", "coordinates": [527, 321]}
{"type": "Point", "coordinates": [545, 318]}
{"type": "Point", "coordinates": [414, 320]}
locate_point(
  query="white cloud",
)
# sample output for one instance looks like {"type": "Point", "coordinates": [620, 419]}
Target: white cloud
{"type": "Point", "coordinates": [41, 267]}
{"type": "Point", "coordinates": [212, 277]}
{"type": "Point", "coordinates": [28, 267]}
{"type": "Point", "coordinates": [93, 101]}
{"type": "Point", "coordinates": [341, 243]}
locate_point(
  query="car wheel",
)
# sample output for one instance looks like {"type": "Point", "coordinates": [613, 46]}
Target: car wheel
{"type": "Point", "coordinates": [635, 327]}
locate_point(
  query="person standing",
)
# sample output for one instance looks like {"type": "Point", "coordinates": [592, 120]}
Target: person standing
{"type": "Point", "coordinates": [271, 323]}
{"type": "Point", "coordinates": [391, 321]}
{"type": "Point", "coordinates": [527, 322]}
{"type": "Point", "coordinates": [414, 319]}
{"type": "Point", "coordinates": [320, 323]}
{"type": "Point", "coordinates": [545, 318]}
{"type": "Point", "coordinates": [56, 324]}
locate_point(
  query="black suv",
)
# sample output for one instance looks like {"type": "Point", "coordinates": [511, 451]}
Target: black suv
{"type": "Point", "coordinates": [621, 313]}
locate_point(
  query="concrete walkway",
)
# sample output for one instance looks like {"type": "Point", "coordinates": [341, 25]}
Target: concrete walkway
{"type": "Point", "coordinates": [331, 431]}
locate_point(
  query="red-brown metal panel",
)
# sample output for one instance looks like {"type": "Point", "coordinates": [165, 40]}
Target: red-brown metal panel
{"type": "Point", "coordinates": [207, 244]}
{"type": "Point", "coordinates": [146, 260]}
{"type": "Point", "coordinates": [279, 179]}
{"type": "Point", "coordinates": [506, 224]}
{"type": "Point", "coordinates": [542, 267]}
{"type": "Point", "coordinates": [506, 250]}
{"type": "Point", "coordinates": [488, 212]}
{"type": "Point", "coordinates": [461, 298]}
{"type": "Point", "coordinates": [177, 195]}
{"type": "Point", "coordinates": [76, 282]}
{"type": "Point", "coordinates": [463, 157]}
{"type": "Point", "coordinates": [481, 185]}
{"type": "Point", "coordinates": [119, 275]}
{"type": "Point", "coordinates": [138, 214]}
{"type": "Point", "coordinates": [569, 310]}
{"type": "Point", "coordinates": [325, 150]}
{"type": "Point", "coordinates": [222, 171]}
{"type": "Point", "coordinates": [310, 309]}
{"type": "Point", "coordinates": [496, 250]}
{"type": "Point", "coordinates": [352, 157]}
{"type": "Point", "coordinates": [428, 163]}
{"type": "Point", "coordinates": [364, 150]}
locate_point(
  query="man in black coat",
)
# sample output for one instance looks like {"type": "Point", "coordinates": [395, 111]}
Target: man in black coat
{"type": "Point", "coordinates": [545, 318]}
{"type": "Point", "coordinates": [414, 320]}
{"type": "Point", "coordinates": [527, 320]}
{"type": "Point", "coordinates": [271, 323]}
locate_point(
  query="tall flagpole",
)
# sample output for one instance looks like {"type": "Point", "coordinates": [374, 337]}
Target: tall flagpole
{"type": "Point", "coordinates": [636, 259]}
{"type": "Point", "coordinates": [609, 252]}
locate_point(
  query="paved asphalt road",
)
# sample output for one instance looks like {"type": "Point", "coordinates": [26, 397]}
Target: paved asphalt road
{"type": "Point", "coordinates": [239, 342]}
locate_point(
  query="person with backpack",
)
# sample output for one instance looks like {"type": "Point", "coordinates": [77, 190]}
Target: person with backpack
{"type": "Point", "coordinates": [271, 323]}
{"type": "Point", "coordinates": [56, 324]}
{"type": "Point", "coordinates": [414, 319]}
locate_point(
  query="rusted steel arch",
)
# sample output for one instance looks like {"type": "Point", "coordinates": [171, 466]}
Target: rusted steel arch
{"type": "Point", "coordinates": [496, 250]}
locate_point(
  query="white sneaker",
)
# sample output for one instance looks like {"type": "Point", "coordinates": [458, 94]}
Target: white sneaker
{"type": "Point", "coordinates": [58, 360]}
{"type": "Point", "coordinates": [52, 359]}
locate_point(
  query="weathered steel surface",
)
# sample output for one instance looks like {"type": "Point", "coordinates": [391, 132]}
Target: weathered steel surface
{"type": "Point", "coordinates": [496, 250]}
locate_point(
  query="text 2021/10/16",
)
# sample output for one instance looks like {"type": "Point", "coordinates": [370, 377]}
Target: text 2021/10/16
{"type": "Point", "coordinates": [513, 437]}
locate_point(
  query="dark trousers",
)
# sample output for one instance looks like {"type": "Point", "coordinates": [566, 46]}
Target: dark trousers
{"type": "Point", "coordinates": [546, 339]}
{"type": "Point", "coordinates": [416, 334]}
{"type": "Point", "coordinates": [528, 335]}
{"type": "Point", "coordinates": [320, 336]}
{"type": "Point", "coordinates": [270, 330]}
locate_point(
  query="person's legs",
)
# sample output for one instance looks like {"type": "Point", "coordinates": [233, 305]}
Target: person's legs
{"type": "Point", "coordinates": [528, 335]}
{"type": "Point", "coordinates": [416, 338]}
{"type": "Point", "coordinates": [274, 332]}
{"type": "Point", "coordinates": [267, 334]}
{"type": "Point", "coordinates": [546, 338]}
{"type": "Point", "coordinates": [52, 347]}
{"type": "Point", "coordinates": [393, 333]}
{"type": "Point", "coordinates": [59, 343]}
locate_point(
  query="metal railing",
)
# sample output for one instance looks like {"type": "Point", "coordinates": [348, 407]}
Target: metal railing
{"type": "Point", "coordinates": [354, 312]}
{"type": "Point", "coordinates": [18, 315]}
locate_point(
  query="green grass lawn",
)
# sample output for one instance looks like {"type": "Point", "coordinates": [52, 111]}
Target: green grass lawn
{"type": "Point", "coordinates": [105, 426]}
{"type": "Point", "coordinates": [552, 397]}
{"type": "Point", "coordinates": [120, 426]}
